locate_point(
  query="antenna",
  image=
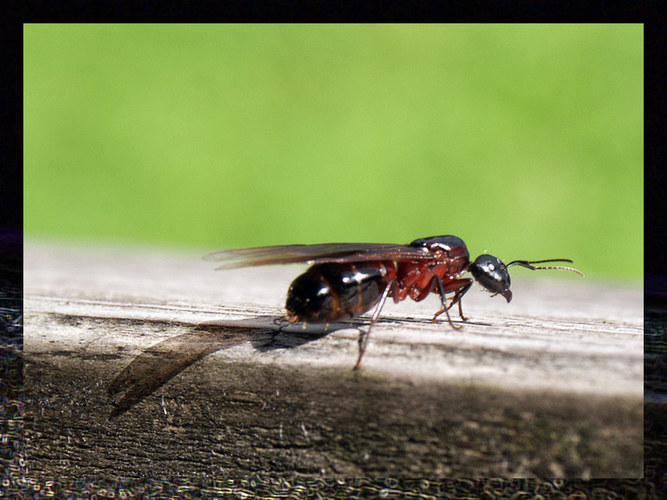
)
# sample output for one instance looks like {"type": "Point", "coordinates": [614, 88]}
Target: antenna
{"type": "Point", "coordinates": [529, 264]}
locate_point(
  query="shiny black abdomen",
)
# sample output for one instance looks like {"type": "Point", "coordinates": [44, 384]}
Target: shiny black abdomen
{"type": "Point", "coordinates": [330, 292]}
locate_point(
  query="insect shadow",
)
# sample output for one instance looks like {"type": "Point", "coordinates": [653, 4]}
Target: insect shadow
{"type": "Point", "coordinates": [159, 363]}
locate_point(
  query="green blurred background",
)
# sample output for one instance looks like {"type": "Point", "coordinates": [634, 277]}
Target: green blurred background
{"type": "Point", "coordinates": [524, 140]}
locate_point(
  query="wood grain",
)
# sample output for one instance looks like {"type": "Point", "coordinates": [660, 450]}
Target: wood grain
{"type": "Point", "coordinates": [149, 363]}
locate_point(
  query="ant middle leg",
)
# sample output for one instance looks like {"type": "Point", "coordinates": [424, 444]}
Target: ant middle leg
{"type": "Point", "coordinates": [459, 287]}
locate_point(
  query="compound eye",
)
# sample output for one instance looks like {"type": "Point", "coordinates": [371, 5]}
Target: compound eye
{"type": "Point", "coordinates": [491, 273]}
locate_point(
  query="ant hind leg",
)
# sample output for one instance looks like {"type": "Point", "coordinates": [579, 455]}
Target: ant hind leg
{"type": "Point", "coordinates": [280, 323]}
{"type": "Point", "coordinates": [363, 335]}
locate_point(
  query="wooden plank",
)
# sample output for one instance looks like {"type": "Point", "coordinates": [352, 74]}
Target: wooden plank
{"type": "Point", "coordinates": [149, 363]}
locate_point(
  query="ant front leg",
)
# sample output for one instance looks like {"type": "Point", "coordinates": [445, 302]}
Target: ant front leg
{"type": "Point", "coordinates": [459, 287]}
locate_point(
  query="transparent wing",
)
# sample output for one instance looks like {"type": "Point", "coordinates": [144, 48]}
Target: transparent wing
{"type": "Point", "coordinates": [315, 254]}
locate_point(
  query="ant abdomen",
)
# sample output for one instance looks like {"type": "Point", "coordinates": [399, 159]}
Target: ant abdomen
{"type": "Point", "coordinates": [332, 292]}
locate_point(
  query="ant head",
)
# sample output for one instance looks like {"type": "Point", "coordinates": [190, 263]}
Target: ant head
{"type": "Point", "coordinates": [492, 274]}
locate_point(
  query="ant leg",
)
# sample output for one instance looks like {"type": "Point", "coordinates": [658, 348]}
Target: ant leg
{"type": "Point", "coordinates": [459, 287]}
{"type": "Point", "coordinates": [443, 300]}
{"type": "Point", "coordinates": [461, 311]}
{"type": "Point", "coordinates": [280, 323]}
{"type": "Point", "coordinates": [458, 295]}
{"type": "Point", "coordinates": [449, 319]}
{"type": "Point", "coordinates": [363, 336]}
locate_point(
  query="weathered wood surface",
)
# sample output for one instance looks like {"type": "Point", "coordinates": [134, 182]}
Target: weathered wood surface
{"type": "Point", "coordinates": [151, 364]}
